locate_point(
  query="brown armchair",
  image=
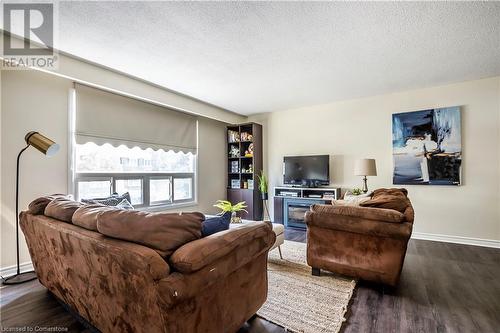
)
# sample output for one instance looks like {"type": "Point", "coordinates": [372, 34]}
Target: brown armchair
{"type": "Point", "coordinates": [362, 242]}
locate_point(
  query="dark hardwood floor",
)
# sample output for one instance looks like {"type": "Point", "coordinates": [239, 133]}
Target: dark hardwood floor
{"type": "Point", "coordinates": [444, 288]}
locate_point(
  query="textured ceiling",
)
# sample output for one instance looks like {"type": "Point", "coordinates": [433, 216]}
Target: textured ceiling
{"type": "Point", "coordinates": [252, 57]}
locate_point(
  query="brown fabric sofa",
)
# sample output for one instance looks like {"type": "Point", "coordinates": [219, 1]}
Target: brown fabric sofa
{"type": "Point", "coordinates": [363, 242]}
{"type": "Point", "coordinates": [211, 284]}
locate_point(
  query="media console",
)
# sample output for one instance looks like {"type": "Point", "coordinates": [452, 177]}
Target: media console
{"type": "Point", "coordinates": [292, 203]}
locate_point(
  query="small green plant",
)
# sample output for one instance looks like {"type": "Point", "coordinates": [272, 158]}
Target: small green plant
{"type": "Point", "coordinates": [262, 182]}
{"type": "Point", "coordinates": [227, 206]}
{"type": "Point", "coordinates": [356, 191]}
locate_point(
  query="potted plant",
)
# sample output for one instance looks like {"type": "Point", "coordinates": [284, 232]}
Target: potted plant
{"type": "Point", "coordinates": [227, 206]}
{"type": "Point", "coordinates": [263, 185]}
{"type": "Point", "coordinates": [356, 191]}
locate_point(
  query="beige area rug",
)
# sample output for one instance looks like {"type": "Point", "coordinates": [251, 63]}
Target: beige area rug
{"type": "Point", "coordinates": [300, 302]}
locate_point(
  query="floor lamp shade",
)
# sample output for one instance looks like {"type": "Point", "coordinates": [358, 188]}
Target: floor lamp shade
{"type": "Point", "coordinates": [49, 148]}
{"type": "Point", "coordinates": [42, 143]}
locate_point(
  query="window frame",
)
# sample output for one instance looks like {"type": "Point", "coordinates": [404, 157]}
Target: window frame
{"type": "Point", "coordinates": [145, 177]}
{"type": "Point", "coordinates": [75, 177]}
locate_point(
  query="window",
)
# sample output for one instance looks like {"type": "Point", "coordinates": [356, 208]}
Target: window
{"type": "Point", "coordinates": [152, 177]}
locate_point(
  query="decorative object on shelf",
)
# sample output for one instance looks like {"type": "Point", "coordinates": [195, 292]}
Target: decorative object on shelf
{"type": "Point", "coordinates": [245, 136]}
{"type": "Point", "coordinates": [249, 170]}
{"type": "Point", "coordinates": [49, 148]}
{"type": "Point", "coordinates": [365, 167]}
{"type": "Point", "coordinates": [234, 152]}
{"type": "Point", "coordinates": [249, 151]}
{"type": "Point", "coordinates": [232, 136]}
{"type": "Point", "coordinates": [234, 166]}
{"type": "Point", "coordinates": [235, 183]}
{"type": "Point", "coordinates": [226, 206]}
{"type": "Point", "coordinates": [263, 188]}
{"type": "Point", "coordinates": [245, 184]}
{"type": "Point", "coordinates": [427, 147]}
{"type": "Point", "coordinates": [250, 184]}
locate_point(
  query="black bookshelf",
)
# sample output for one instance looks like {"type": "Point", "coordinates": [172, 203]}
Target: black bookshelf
{"type": "Point", "coordinates": [244, 163]}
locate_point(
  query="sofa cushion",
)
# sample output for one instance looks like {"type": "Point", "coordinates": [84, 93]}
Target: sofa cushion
{"type": "Point", "coordinates": [62, 209]}
{"type": "Point", "coordinates": [378, 214]}
{"type": "Point", "coordinates": [86, 216]}
{"type": "Point", "coordinates": [163, 232]}
{"type": "Point", "coordinates": [395, 199]}
{"type": "Point", "coordinates": [216, 224]}
{"type": "Point", "coordinates": [37, 206]}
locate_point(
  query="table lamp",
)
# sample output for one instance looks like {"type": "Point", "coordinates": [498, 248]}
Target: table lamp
{"type": "Point", "coordinates": [365, 167]}
{"type": "Point", "coordinates": [49, 148]}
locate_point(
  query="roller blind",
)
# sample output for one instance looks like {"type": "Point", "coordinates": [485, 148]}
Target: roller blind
{"type": "Point", "coordinates": [103, 117]}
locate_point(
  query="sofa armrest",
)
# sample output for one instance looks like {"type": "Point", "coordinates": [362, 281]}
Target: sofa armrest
{"type": "Point", "coordinates": [197, 254]}
{"type": "Point", "coordinates": [201, 263]}
{"type": "Point", "coordinates": [359, 225]}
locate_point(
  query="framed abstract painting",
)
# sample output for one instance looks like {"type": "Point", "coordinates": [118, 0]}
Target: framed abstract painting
{"type": "Point", "coordinates": [427, 147]}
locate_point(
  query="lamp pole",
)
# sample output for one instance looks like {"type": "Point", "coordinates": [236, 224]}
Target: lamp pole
{"type": "Point", "coordinates": [25, 276]}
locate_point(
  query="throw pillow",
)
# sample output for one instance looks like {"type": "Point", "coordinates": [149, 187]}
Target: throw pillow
{"type": "Point", "coordinates": [125, 204]}
{"type": "Point", "coordinates": [349, 196]}
{"type": "Point", "coordinates": [113, 200]}
{"type": "Point", "coordinates": [216, 224]}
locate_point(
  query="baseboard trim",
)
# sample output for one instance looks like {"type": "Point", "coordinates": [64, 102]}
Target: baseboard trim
{"type": "Point", "coordinates": [11, 270]}
{"type": "Point", "coordinates": [457, 239]}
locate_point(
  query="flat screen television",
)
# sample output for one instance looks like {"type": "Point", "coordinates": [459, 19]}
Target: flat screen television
{"type": "Point", "coordinates": [308, 171]}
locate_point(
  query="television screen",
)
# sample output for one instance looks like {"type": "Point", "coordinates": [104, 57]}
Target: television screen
{"type": "Point", "coordinates": [306, 170]}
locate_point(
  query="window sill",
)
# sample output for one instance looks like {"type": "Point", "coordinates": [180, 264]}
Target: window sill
{"type": "Point", "coordinates": [161, 208]}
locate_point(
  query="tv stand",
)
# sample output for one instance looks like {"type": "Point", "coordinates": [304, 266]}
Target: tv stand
{"type": "Point", "coordinates": [291, 203]}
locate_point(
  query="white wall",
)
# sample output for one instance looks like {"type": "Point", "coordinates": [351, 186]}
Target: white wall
{"type": "Point", "coordinates": [362, 128]}
{"type": "Point", "coordinates": [32, 100]}
{"type": "Point", "coordinates": [88, 73]}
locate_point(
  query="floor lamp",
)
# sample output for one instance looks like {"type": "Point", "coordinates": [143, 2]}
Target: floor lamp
{"type": "Point", "coordinates": [49, 148]}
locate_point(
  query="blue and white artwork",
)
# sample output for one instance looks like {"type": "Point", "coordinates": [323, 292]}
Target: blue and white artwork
{"type": "Point", "coordinates": [427, 147]}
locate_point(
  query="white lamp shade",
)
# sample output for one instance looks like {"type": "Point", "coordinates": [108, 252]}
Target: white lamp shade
{"type": "Point", "coordinates": [365, 167]}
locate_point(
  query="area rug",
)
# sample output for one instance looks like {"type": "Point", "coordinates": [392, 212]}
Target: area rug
{"type": "Point", "coordinates": [300, 302]}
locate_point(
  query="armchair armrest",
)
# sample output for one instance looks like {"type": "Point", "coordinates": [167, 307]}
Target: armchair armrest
{"type": "Point", "coordinates": [369, 221]}
{"type": "Point", "coordinates": [195, 255]}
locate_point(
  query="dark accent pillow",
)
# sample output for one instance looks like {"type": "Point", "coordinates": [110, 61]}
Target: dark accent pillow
{"type": "Point", "coordinates": [113, 200]}
{"type": "Point", "coordinates": [216, 224]}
